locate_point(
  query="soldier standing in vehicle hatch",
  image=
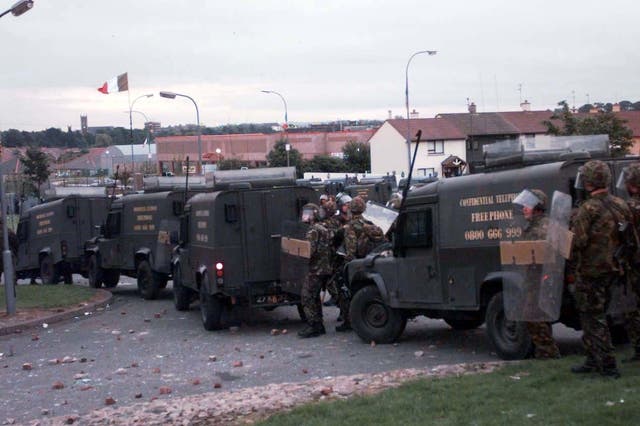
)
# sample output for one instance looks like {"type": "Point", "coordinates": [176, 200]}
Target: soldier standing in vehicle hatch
{"type": "Point", "coordinates": [534, 205]}
{"type": "Point", "coordinates": [594, 244]}
{"type": "Point", "coordinates": [360, 237]}
{"type": "Point", "coordinates": [319, 238]}
{"type": "Point", "coordinates": [631, 182]}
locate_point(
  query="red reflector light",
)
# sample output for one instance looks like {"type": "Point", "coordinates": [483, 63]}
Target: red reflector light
{"type": "Point", "coordinates": [219, 266]}
{"type": "Point", "coordinates": [219, 273]}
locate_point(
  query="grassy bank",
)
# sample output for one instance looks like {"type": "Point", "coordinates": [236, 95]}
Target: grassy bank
{"type": "Point", "coordinates": [49, 296]}
{"type": "Point", "coordinates": [530, 393]}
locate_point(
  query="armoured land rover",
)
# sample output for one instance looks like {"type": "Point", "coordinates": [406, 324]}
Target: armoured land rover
{"type": "Point", "coordinates": [52, 235]}
{"type": "Point", "coordinates": [373, 189]}
{"type": "Point", "coordinates": [445, 259]}
{"type": "Point", "coordinates": [230, 243]}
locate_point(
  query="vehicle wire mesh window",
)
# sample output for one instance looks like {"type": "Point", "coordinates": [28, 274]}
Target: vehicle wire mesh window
{"type": "Point", "coordinates": [418, 229]}
{"type": "Point", "coordinates": [113, 224]}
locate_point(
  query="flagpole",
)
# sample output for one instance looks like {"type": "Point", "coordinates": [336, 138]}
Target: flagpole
{"type": "Point", "coordinates": [131, 104]}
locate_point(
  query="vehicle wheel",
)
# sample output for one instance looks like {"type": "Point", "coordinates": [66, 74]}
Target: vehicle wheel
{"type": "Point", "coordinates": [146, 284]}
{"type": "Point", "coordinates": [212, 307]}
{"type": "Point", "coordinates": [464, 324]}
{"type": "Point", "coordinates": [373, 320]}
{"type": "Point", "coordinates": [510, 339]}
{"type": "Point", "coordinates": [48, 271]}
{"type": "Point", "coordinates": [67, 275]}
{"type": "Point", "coordinates": [181, 294]}
{"type": "Point", "coordinates": [111, 277]}
{"type": "Point", "coordinates": [303, 316]}
{"type": "Point", "coordinates": [95, 272]}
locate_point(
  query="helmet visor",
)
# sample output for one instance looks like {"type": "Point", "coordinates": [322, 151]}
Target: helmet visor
{"type": "Point", "coordinates": [579, 184]}
{"type": "Point", "coordinates": [527, 199]}
{"type": "Point", "coordinates": [308, 214]}
{"type": "Point", "coordinates": [621, 185]}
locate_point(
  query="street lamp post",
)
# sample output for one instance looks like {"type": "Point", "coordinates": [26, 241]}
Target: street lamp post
{"type": "Point", "coordinates": [172, 95]}
{"type": "Point", "coordinates": [287, 147]}
{"type": "Point", "coordinates": [131, 125]}
{"type": "Point", "coordinates": [17, 9]}
{"type": "Point", "coordinates": [218, 152]}
{"type": "Point", "coordinates": [406, 98]}
{"type": "Point", "coordinates": [286, 119]}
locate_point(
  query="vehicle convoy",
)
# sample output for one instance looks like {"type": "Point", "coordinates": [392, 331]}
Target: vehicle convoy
{"type": "Point", "coordinates": [445, 258]}
{"type": "Point", "coordinates": [52, 235]}
{"type": "Point", "coordinates": [230, 243]}
{"type": "Point", "coordinates": [373, 189]}
{"type": "Point", "coordinates": [136, 241]}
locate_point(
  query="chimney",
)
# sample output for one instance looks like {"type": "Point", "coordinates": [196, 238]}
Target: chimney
{"type": "Point", "coordinates": [414, 114]}
{"type": "Point", "coordinates": [390, 116]}
{"type": "Point", "coordinates": [472, 108]}
{"type": "Point", "coordinates": [615, 107]}
{"type": "Point", "coordinates": [526, 106]}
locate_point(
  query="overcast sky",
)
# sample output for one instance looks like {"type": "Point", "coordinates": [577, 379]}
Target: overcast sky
{"type": "Point", "coordinates": [329, 59]}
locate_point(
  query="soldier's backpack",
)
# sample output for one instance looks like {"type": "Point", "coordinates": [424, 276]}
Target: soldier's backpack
{"type": "Point", "coordinates": [370, 237]}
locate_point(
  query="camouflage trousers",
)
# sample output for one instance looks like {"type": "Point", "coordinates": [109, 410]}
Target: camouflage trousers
{"type": "Point", "coordinates": [632, 319]}
{"type": "Point", "coordinates": [591, 301]}
{"type": "Point", "coordinates": [333, 287]}
{"type": "Point", "coordinates": [542, 337]}
{"type": "Point", "coordinates": [310, 297]}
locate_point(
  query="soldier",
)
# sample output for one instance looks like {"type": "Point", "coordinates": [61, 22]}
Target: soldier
{"type": "Point", "coordinates": [631, 182]}
{"type": "Point", "coordinates": [344, 207]}
{"type": "Point", "coordinates": [534, 205]}
{"type": "Point", "coordinates": [595, 241]}
{"type": "Point", "coordinates": [319, 238]}
{"type": "Point", "coordinates": [395, 201]}
{"type": "Point", "coordinates": [360, 237]}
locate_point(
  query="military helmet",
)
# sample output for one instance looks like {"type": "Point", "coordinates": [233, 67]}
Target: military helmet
{"type": "Point", "coordinates": [342, 199]}
{"type": "Point", "coordinates": [632, 174]}
{"type": "Point", "coordinates": [542, 205]}
{"type": "Point", "coordinates": [324, 197]}
{"type": "Point", "coordinates": [395, 201]}
{"type": "Point", "coordinates": [596, 173]}
{"type": "Point", "coordinates": [311, 212]}
{"type": "Point", "coordinates": [358, 205]}
{"type": "Point", "coordinates": [532, 198]}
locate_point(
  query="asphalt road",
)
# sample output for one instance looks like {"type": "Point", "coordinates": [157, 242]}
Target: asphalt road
{"type": "Point", "coordinates": [138, 350]}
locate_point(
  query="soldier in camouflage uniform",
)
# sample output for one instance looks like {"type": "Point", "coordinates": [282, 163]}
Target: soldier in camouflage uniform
{"type": "Point", "coordinates": [536, 229]}
{"type": "Point", "coordinates": [595, 241]}
{"type": "Point", "coordinates": [360, 237]}
{"type": "Point", "coordinates": [632, 185]}
{"type": "Point", "coordinates": [336, 222]}
{"type": "Point", "coordinates": [319, 238]}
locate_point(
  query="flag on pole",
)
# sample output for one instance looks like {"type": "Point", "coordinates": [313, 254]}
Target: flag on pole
{"type": "Point", "coordinates": [116, 84]}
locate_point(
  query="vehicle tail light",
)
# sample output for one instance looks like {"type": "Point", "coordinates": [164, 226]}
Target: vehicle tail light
{"type": "Point", "coordinates": [63, 248]}
{"type": "Point", "coordinates": [219, 273]}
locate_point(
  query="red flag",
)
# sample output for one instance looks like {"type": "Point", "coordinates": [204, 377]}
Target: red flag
{"type": "Point", "coordinates": [116, 84]}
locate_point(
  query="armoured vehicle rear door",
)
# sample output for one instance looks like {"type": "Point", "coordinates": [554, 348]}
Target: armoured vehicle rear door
{"type": "Point", "coordinates": [418, 279]}
{"type": "Point", "coordinates": [111, 251]}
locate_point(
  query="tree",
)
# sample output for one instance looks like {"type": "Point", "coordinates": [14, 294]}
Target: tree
{"type": "Point", "coordinates": [277, 157]}
{"type": "Point", "coordinates": [324, 163]}
{"type": "Point", "coordinates": [357, 157]}
{"type": "Point", "coordinates": [230, 164]}
{"type": "Point", "coordinates": [601, 123]}
{"type": "Point", "coordinates": [36, 167]}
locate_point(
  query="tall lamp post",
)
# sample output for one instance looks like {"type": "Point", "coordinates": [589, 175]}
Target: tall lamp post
{"type": "Point", "coordinates": [17, 9]}
{"type": "Point", "coordinates": [172, 95]}
{"type": "Point", "coordinates": [286, 120]}
{"type": "Point", "coordinates": [406, 99]}
{"type": "Point", "coordinates": [131, 125]}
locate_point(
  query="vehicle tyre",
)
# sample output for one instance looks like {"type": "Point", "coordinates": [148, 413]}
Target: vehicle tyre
{"type": "Point", "coordinates": [95, 272]}
{"type": "Point", "coordinates": [146, 284]}
{"type": "Point", "coordinates": [373, 320]}
{"type": "Point", "coordinates": [48, 271]}
{"type": "Point", "coordinates": [464, 324]}
{"type": "Point", "coordinates": [510, 339]}
{"type": "Point", "coordinates": [303, 316]}
{"type": "Point", "coordinates": [212, 307]}
{"type": "Point", "coordinates": [181, 294]}
{"type": "Point", "coordinates": [111, 277]}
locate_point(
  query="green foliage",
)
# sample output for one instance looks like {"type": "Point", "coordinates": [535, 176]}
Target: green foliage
{"type": "Point", "coordinates": [620, 136]}
{"type": "Point", "coordinates": [49, 296]}
{"type": "Point", "coordinates": [277, 157]}
{"type": "Point", "coordinates": [526, 393]}
{"type": "Point", "coordinates": [357, 157]}
{"type": "Point", "coordinates": [231, 164]}
{"type": "Point", "coordinates": [324, 163]}
{"type": "Point", "coordinates": [36, 166]}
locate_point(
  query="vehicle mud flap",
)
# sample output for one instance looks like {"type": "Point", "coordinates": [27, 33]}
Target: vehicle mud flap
{"type": "Point", "coordinates": [164, 246]}
{"type": "Point", "coordinates": [294, 256]}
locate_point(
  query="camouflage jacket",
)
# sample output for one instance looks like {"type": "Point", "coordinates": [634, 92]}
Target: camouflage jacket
{"type": "Point", "coordinates": [335, 225]}
{"type": "Point", "coordinates": [360, 237]}
{"type": "Point", "coordinates": [596, 235]}
{"type": "Point", "coordinates": [320, 239]}
{"type": "Point", "coordinates": [536, 228]}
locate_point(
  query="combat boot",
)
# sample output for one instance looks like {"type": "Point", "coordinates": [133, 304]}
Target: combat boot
{"type": "Point", "coordinates": [584, 368]}
{"type": "Point", "coordinates": [612, 372]}
{"type": "Point", "coordinates": [312, 330]}
{"type": "Point", "coordinates": [345, 326]}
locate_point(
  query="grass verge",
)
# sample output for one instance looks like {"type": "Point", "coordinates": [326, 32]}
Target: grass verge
{"type": "Point", "coordinates": [529, 393]}
{"type": "Point", "coordinates": [47, 296]}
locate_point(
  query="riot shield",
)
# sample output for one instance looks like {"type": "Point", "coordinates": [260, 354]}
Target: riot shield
{"type": "Point", "coordinates": [380, 215]}
{"type": "Point", "coordinates": [167, 233]}
{"type": "Point", "coordinates": [533, 267]}
{"type": "Point", "coordinates": [294, 256]}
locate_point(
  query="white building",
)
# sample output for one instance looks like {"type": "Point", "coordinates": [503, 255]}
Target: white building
{"type": "Point", "coordinates": [440, 140]}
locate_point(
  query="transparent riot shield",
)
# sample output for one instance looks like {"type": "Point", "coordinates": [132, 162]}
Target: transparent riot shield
{"type": "Point", "coordinates": [294, 256]}
{"type": "Point", "coordinates": [380, 215]}
{"type": "Point", "coordinates": [167, 235]}
{"type": "Point", "coordinates": [533, 266]}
